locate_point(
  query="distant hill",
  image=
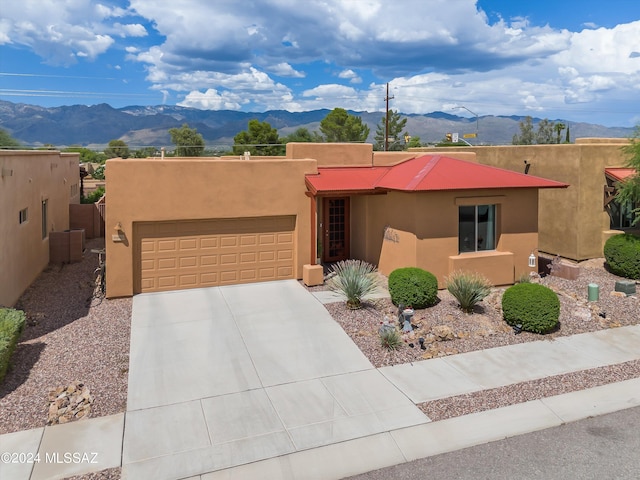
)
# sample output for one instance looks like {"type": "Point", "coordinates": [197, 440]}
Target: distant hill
{"type": "Point", "coordinates": [94, 126]}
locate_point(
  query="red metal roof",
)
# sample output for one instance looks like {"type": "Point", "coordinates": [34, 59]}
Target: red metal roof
{"type": "Point", "coordinates": [345, 179]}
{"type": "Point", "coordinates": [620, 174]}
{"type": "Point", "coordinates": [426, 173]}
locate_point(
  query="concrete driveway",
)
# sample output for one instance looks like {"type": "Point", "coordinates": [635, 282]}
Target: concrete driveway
{"type": "Point", "coordinates": [225, 376]}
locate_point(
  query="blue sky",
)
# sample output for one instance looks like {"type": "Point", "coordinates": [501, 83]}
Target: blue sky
{"type": "Point", "coordinates": [577, 60]}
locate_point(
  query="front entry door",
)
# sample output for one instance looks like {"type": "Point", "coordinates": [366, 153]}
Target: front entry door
{"type": "Point", "coordinates": [335, 225]}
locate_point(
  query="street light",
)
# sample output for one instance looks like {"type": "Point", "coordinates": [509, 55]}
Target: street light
{"type": "Point", "coordinates": [472, 113]}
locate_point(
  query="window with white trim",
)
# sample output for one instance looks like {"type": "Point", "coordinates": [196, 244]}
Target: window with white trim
{"type": "Point", "coordinates": [476, 228]}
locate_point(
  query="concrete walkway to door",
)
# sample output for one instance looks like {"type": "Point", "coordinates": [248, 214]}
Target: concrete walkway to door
{"type": "Point", "coordinates": [227, 376]}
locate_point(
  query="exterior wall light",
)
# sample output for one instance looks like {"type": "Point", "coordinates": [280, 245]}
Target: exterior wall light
{"type": "Point", "coordinates": [532, 260]}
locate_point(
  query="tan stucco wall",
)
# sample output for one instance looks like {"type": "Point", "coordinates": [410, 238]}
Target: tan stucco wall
{"type": "Point", "coordinates": [200, 188]}
{"type": "Point", "coordinates": [333, 154]}
{"type": "Point", "coordinates": [421, 229]}
{"type": "Point", "coordinates": [572, 220]}
{"type": "Point", "coordinates": [28, 178]}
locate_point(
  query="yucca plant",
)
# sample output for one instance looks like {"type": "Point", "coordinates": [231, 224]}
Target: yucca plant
{"type": "Point", "coordinates": [468, 288]}
{"type": "Point", "coordinates": [390, 338]}
{"type": "Point", "coordinates": [355, 280]}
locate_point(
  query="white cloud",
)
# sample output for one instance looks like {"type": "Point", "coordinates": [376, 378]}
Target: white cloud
{"type": "Point", "coordinates": [283, 69]}
{"type": "Point", "coordinates": [62, 32]}
{"type": "Point", "coordinates": [212, 100]}
{"type": "Point", "coordinates": [130, 30]}
{"type": "Point", "coordinates": [350, 75]}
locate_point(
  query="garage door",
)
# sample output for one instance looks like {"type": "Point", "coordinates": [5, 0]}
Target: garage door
{"type": "Point", "coordinates": [203, 253]}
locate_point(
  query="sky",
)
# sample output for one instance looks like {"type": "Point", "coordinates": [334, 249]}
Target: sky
{"type": "Point", "coordinates": [576, 60]}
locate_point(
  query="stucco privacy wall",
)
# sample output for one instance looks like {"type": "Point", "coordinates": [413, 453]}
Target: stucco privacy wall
{"type": "Point", "coordinates": [572, 221]}
{"type": "Point", "coordinates": [333, 154]}
{"type": "Point", "coordinates": [27, 179]}
{"type": "Point", "coordinates": [421, 229]}
{"type": "Point", "coordinates": [154, 190]}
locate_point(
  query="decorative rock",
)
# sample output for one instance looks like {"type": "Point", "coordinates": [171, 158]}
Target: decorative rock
{"type": "Point", "coordinates": [618, 294]}
{"type": "Point", "coordinates": [443, 333]}
{"type": "Point", "coordinates": [68, 403]}
{"type": "Point", "coordinates": [582, 313]}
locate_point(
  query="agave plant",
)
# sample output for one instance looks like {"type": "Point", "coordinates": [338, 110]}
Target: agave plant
{"type": "Point", "coordinates": [390, 339]}
{"type": "Point", "coordinates": [355, 280]}
{"type": "Point", "coordinates": [468, 289]}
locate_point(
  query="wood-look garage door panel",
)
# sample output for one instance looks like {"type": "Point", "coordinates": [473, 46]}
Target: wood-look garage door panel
{"type": "Point", "coordinates": [188, 254]}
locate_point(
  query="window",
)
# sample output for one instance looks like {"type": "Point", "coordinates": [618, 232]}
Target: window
{"type": "Point", "coordinates": [45, 220]}
{"type": "Point", "coordinates": [622, 215]}
{"type": "Point", "coordinates": [476, 228]}
{"type": "Point", "coordinates": [23, 215]}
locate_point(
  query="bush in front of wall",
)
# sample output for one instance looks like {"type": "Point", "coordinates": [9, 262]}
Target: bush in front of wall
{"type": "Point", "coordinates": [11, 326]}
{"type": "Point", "coordinates": [469, 288]}
{"type": "Point", "coordinates": [534, 307]}
{"type": "Point", "coordinates": [622, 253]}
{"type": "Point", "coordinates": [413, 286]}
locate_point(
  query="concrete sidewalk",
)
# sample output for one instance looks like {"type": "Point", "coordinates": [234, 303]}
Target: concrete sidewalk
{"type": "Point", "coordinates": [259, 381]}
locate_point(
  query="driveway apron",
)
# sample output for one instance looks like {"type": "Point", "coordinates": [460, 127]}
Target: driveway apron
{"type": "Point", "coordinates": [225, 376]}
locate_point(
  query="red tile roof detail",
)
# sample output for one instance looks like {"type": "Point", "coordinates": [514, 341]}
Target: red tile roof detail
{"type": "Point", "coordinates": [426, 173]}
{"type": "Point", "coordinates": [620, 174]}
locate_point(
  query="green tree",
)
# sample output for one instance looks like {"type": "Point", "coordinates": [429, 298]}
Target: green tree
{"type": "Point", "coordinates": [117, 149]}
{"type": "Point", "coordinates": [558, 127]}
{"type": "Point", "coordinates": [7, 140]}
{"type": "Point", "coordinates": [302, 135]}
{"type": "Point", "coordinates": [414, 142]}
{"type": "Point", "coordinates": [86, 155]}
{"type": "Point", "coordinates": [340, 126]}
{"type": "Point", "coordinates": [629, 189]}
{"type": "Point", "coordinates": [145, 152]}
{"type": "Point", "coordinates": [526, 135]}
{"type": "Point", "coordinates": [260, 138]}
{"type": "Point", "coordinates": [395, 140]}
{"type": "Point", "coordinates": [188, 142]}
{"type": "Point", "coordinates": [567, 138]}
{"type": "Point", "coordinates": [545, 134]}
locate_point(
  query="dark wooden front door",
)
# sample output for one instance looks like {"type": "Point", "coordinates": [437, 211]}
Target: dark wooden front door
{"type": "Point", "coordinates": [335, 225]}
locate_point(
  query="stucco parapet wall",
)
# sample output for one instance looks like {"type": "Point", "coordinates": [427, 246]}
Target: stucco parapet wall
{"type": "Point", "coordinates": [333, 154]}
{"type": "Point", "coordinates": [387, 159]}
{"type": "Point", "coordinates": [458, 154]}
{"type": "Point", "coordinates": [620, 141]}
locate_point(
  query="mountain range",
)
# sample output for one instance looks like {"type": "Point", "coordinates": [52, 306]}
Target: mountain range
{"type": "Point", "coordinates": [94, 126]}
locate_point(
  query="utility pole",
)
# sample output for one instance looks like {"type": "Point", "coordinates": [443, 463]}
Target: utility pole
{"type": "Point", "coordinates": [386, 120]}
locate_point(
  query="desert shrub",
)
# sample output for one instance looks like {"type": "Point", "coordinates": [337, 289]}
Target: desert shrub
{"type": "Point", "coordinates": [355, 280]}
{"type": "Point", "coordinates": [98, 173]}
{"type": "Point", "coordinates": [413, 286]}
{"type": "Point", "coordinates": [94, 196]}
{"type": "Point", "coordinates": [390, 338]}
{"type": "Point", "coordinates": [468, 288]}
{"type": "Point", "coordinates": [533, 306]}
{"type": "Point", "coordinates": [524, 278]}
{"type": "Point", "coordinates": [11, 326]}
{"type": "Point", "coordinates": [622, 253]}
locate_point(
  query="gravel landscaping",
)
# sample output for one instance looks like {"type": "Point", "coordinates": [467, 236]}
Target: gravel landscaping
{"type": "Point", "coordinates": [72, 337]}
{"type": "Point", "coordinates": [69, 337]}
{"type": "Point", "coordinates": [448, 331]}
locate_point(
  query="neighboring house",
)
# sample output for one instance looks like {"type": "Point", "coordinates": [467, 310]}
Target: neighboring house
{"type": "Point", "coordinates": [36, 188]}
{"type": "Point", "coordinates": [198, 222]}
{"type": "Point", "coordinates": [575, 222]}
